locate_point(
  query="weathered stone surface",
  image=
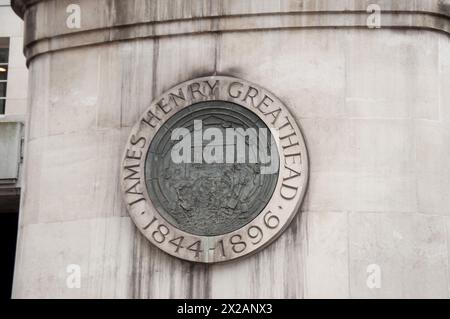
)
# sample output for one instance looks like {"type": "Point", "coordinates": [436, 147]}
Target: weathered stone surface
{"type": "Point", "coordinates": [411, 252]}
{"type": "Point", "coordinates": [433, 171]}
{"type": "Point", "coordinates": [326, 255]}
{"type": "Point", "coordinates": [373, 106]}
{"type": "Point", "coordinates": [380, 79]}
{"type": "Point", "coordinates": [100, 247]}
{"type": "Point", "coordinates": [128, 19]}
{"type": "Point", "coordinates": [444, 73]}
{"type": "Point", "coordinates": [67, 164]}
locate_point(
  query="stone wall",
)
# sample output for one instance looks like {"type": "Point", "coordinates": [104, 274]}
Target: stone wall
{"type": "Point", "coordinates": [373, 105]}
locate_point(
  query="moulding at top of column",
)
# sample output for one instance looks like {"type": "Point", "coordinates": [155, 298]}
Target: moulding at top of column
{"type": "Point", "coordinates": [47, 28]}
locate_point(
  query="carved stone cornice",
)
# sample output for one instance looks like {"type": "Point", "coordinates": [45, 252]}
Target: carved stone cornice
{"type": "Point", "coordinates": [116, 20]}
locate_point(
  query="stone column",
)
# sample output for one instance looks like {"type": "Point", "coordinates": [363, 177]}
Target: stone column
{"type": "Point", "coordinates": [373, 104]}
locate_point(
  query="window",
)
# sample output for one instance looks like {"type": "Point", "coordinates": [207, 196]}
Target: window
{"type": "Point", "coordinates": [4, 53]}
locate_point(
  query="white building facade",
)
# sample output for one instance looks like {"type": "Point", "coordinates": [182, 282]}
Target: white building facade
{"type": "Point", "coordinates": [367, 82]}
{"type": "Point", "coordinates": [13, 93]}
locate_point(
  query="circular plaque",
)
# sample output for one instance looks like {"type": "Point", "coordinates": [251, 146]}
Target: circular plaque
{"type": "Point", "coordinates": [215, 169]}
{"type": "Point", "coordinates": [208, 199]}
